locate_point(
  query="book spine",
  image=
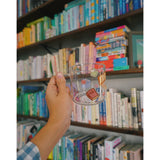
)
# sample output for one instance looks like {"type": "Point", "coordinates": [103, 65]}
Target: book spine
{"type": "Point", "coordinates": [119, 110]}
{"type": "Point", "coordinates": [136, 4]}
{"type": "Point", "coordinates": [134, 107]}
{"type": "Point", "coordinates": [127, 6]}
{"type": "Point", "coordinates": [96, 11]}
{"type": "Point", "coordinates": [141, 106]}
{"type": "Point", "coordinates": [115, 110]}
{"type": "Point", "coordinates": [130, 5]}
{"type": "Point", "coordinates": [90, 22]}
{"type": "Point", "coordinates": [92, 11]}
{"type": "Point", "coordinates": [96, 114]}
{"type": "Point", "coordinates": [87, 12]}
{"type": "Point", "coordinates": [120, 7]}
{"type": "Point", "coordinates": [104, 113]}
{"type": "Point", "coordinates": [100, 114]}
{"type": "Point", "coordinates": [126, 111]}
{"type": "Point", "coordinates": [123, 6]}
{"type": "Point", "coordinates": [139, 109]}
{"type": "Point", "coordinates": [130, 118]}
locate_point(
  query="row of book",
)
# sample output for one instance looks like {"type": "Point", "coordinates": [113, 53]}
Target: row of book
{"type": "Point", "coordinates": [111, 47]}
{"type": "Point", "coordinates": [35, 31]}
{"type": "Point", "coordinates": [25, 6]}
{"type": "Point", "coordinates": [76, 14]}
{"type": "Point", "coordinates": [47, 65]}
{"type": "Point", "coordinates": [77, 146]}
{"type": "Point", "coordinates": [80, 146]}
{"type": "Point", "coordinates": [26, 130]}
{"type": "Point", "coordinates": [117, 110]}
{"type": "Point", "coordinates": [31, 101]}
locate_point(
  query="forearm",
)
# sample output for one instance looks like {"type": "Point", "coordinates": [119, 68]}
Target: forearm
{"type": "Point", "coordinates": [49, 135]}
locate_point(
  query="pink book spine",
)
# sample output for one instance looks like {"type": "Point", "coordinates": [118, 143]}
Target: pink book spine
{"type": "Point", "coordinates": [86, 57]}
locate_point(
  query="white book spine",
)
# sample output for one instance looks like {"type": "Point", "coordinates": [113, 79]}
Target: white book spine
{"type": "Point", "coordinates": [130, 122]}
{"type": "Point", "coordinates": [119, 109]}
{"type": "Point", "coordinates": [115, 110]}
{"type": "Point", "coordinates": [89, 114]}
{"type": "Point", "coordinates": [123, 113]}
{"type": "Point", "coordinates": [134, 107]}
{"type": "Point", "coordinates": [126, 111]}
{"type": "Point", "coordinates": [97, 114]}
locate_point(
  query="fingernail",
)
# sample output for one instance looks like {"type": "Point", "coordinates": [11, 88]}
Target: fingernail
{"type": "Point", "coordinates": [59, 75]}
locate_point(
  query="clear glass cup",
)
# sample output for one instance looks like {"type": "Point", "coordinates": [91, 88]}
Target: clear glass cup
{"type": "Point", "coordinates": [88, 83]}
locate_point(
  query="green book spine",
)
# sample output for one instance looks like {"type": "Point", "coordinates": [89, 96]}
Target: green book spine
{"type": "Point", "coordinates": [121, 68]}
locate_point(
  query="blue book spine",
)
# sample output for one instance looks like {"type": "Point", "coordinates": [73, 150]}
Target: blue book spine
{"type": "Point", "coordinates": [99, 10]}
{"type": "Point", "coordinates": [96, 11]}
{"type": "Point", "coordinates": [84, 18]}
{"type": "Point", "coordinates": [59, 23]}
{"type": "Point", "coordinates": [92, 11]}
{"type": "Point", "coordinates": [98, 59]}
{"type": "Point", "coordinates": [26, 8]}
{"type": "Point", "coordinates": [136, 4]}
{"type": "Point", "coordinates": [71, 19]}
{"type": "Point", "coordinates": [120, 7]}
{"type": "Point", "coordinates": [104, 111]}
{"type": "Point", "coordinates": [117, 4]}
{"type": "Point", "coordinates": [40, 104]}
{"type": "Point", "coordinates": [90, 22]}
{"type": "Point", "coordinates": [123, 6]}
{"type": "Point", "coordinates": [141, 3]}
{"type": "Point", "coordinates": [87, 12]}
{"type": "Point", "coordinates": [107, 9]}
{"type": "Point", "coordinates": [120, 62]}
{"type": "Point", "coordinates": [112, 8]}
{"type": "Point", "coordinates": [115, 8]}
{"type": "Point", "coordinates": [104, 9]}
{"type": "Point", "coordinates": [127, 6]}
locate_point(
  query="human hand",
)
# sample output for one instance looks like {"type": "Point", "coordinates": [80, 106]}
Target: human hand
{"type": "Point", "coordinates": [58, 100]}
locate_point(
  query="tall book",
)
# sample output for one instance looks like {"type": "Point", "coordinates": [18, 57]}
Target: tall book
{"type": "Point", "coordinates": [110, 143]}
{"type": "Point", "coordinates": [134, 107]}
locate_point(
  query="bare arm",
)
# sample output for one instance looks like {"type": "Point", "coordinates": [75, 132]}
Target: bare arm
{"type": "Point", "coordinates": [60, 107]}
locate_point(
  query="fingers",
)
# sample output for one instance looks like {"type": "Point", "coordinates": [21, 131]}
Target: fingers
{"type": "Point", "coordinates": [52, 88]}
{"type": "Point", "coordinates": [61, 83]}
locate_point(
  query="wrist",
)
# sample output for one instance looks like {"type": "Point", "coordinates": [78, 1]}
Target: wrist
{"type": "Point", "coordinates": [62, 123]}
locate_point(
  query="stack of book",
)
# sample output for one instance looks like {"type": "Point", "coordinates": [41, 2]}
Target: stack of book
{"type": "Point", "coordinates": [111, 46]}
{"type": "Point", "coordinates": [79, 146]}
{"type": "Point", "coordinates": [26, 130]}
{"type": "Point", "coordinates": [31, 101]}
{"type": "Point", "coordinates": [115, 111]}
{"type": "Point", "coordinates": [49, 64]}
{"type": "Point", "coordinates": [76, 14]}
{"type": "Point", "coordinates": [25, 6]}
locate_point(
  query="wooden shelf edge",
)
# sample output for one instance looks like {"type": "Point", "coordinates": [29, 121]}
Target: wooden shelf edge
{"type": "Point", "coordinates": [35, 9]}
{"type": "Point", "coordinates": [136, 132]}
{"type": "Point", "coordinates": [121, 72]}
{"type": "Point", "coordinates": [95, 25]}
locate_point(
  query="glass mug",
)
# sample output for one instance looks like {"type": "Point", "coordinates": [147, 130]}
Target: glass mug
{"type": "Point", "coordinates": [88, 83]}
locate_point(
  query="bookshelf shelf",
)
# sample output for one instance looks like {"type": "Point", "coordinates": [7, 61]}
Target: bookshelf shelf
{"type": "Point", "coordinates": [122, 72]}
{"type": "Point", "coordinates": [137, 132]}
{"type": "Point", "coordinates": [48, 8]}
{"type": "Point", "coordinates": [96, 27]}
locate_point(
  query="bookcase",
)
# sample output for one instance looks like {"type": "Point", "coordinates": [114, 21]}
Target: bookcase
{"type": "Point", "coordinates": [124, 78]}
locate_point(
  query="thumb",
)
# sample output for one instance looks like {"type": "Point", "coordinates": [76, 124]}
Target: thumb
{"type": "Point", "coordinates": [61, 83]}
